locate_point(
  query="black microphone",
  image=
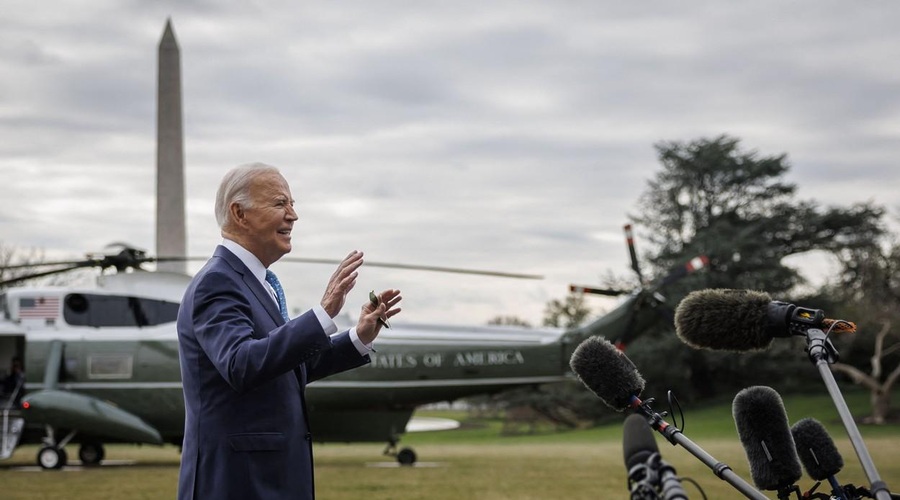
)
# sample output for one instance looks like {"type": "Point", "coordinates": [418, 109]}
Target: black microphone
{"type": "Point", "coordinates": [744, 320]}
{"type": "Point", "coordinates": [741, 320]}
{"type": "Point", "coordinates": [608, 373]}
{"type": "Point", "coordinates": [818, 454]}
{"type": "Point", "coordinates": [762, 425]}
{"type": "Point", "coordinates": [649, 476]}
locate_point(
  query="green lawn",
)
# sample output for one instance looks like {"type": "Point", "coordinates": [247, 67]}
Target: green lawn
{"type": "Point", "coordinates": [473, 462]}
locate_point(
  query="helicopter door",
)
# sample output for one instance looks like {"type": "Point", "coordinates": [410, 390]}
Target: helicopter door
{"type": "Point", "coordinates": [12, 375]}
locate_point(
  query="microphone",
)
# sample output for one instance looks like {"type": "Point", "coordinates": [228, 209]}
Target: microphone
{"type": "Point", "coordinates": [608, 373]}
{"type": "Point", "coordinates": [818, 454]}
{"type": "Point", "coordinates": [744, 320]}
{"type": "Point", "coordinates": [649, 476]}
{"type": "Point", "coordinates": [762, 425]}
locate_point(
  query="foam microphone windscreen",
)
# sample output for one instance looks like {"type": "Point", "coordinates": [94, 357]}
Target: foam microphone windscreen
{"type": "Point", "coordinates": [762, 425]}
{"type": "Point", "coordinates": [638, 443]}
{"type": "Point", "coordinates": [722, 319]}
{"type": "Point", "coordinates": [818, 454]}
{"type": "Point", "coordinates": [607, 372]}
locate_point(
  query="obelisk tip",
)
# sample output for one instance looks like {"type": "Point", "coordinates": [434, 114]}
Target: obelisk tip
{"type": "Point", "coordinates": [168, 37]}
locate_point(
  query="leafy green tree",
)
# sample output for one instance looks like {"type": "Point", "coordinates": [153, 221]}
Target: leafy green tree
{"type": "Point", "coordinates": [713, 197]}
{"type": "Point", "coordinates": [567, 313]}
{"type": "Point", "coordinates": [509, 321]}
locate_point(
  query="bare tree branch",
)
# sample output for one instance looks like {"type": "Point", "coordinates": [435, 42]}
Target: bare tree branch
{"type": "Point", "coordinates": [859, 377]}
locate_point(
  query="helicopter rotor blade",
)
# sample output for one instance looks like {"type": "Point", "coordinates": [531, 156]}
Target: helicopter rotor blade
{"type": "Point", "coordinates": [177, 259]}
{"type": "Point", "coordinates": [26, 277]}
{"type": "Point", "coordinates": [131, 257]}
{"type": "Point", "coordinates": [123, 245]}
{"type": "Point", "coordinates": [390, 265]}
{"type": "Point", "coordinates": [609, 292]}
{"type": "Point", "coordinates": [635, 266]}
{"type": "Point", "coordinates": [71, 265]}
{"type": "Point", "coordinates": [695, 264]}
{"type": "Point", "coordinates": [629, 240]}
{"type": "Point", "coordinates": [45, 264]}
{"type": "Point", "coordinates": [414, 267]}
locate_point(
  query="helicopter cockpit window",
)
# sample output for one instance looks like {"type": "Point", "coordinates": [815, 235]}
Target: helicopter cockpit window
{"type": "Point", "coordinates": [83, 309]}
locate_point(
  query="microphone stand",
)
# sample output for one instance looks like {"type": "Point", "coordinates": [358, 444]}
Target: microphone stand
{"type": "Point", "coordinates": [785, 492]}
{"type": "Point", "coordinates": [822, 353]}
{"type": "Point", "coordinates": [644, 479]}
{"type": "Point", "coordinates": [675, 436]}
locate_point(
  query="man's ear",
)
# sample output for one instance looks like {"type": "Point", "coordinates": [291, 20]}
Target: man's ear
{"type": "Point", "coordinates": [237, 212]}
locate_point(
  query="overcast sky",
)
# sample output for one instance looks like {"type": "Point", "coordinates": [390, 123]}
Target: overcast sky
{"type": "Point", "coordinates": [513, 136]}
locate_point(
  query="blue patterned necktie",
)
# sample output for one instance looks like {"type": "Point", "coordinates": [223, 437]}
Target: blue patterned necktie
{"type": "Point", "coordinates": [279, 293]}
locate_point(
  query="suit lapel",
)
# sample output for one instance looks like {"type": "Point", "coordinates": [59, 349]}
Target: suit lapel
{"type": "Point", "coordinates": [262, 295]}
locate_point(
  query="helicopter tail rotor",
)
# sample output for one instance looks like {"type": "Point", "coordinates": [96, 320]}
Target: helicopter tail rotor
{"type": "Point", "coordinates": [631, 318]}
{"type": "Point", "coordinates": [629, 240]}
{"type": "Point", "coordinates": [635, 266]}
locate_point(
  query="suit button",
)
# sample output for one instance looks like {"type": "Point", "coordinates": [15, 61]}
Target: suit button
{"type": "Point", "coordinates": [308, 436]}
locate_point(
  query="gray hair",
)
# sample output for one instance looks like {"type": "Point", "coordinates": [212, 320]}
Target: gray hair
{"type": "Point", "coordinates": [235, 188]}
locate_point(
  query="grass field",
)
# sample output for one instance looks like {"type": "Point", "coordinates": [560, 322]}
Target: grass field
{"type": "Point", "coordinates": [473, 462]}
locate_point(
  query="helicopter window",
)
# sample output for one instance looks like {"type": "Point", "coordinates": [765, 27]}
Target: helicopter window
{"type": "Point", "coordinates": [100, 311]}
{"type": "Point", "coordinates": [3, 307]}
{"type": "Point", "coordinates": [76, 302]}
{"type": "Point", "coordinates": [110, 365]}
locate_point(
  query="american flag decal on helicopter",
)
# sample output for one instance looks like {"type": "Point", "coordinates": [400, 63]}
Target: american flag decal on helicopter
{"type": "Point", "coordinates": [39, 307]}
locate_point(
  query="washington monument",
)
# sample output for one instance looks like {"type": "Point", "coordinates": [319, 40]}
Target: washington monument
{"type": "Point", "coordinates": [170, 216]}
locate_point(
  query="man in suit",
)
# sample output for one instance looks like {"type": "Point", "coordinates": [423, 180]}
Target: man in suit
{"type": "Point", "coordinates": [244, 365]}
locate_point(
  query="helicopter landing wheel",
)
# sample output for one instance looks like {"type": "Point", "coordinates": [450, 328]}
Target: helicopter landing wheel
{"type": "Point", "coordinates": [406, 456]}
{"type": "Point", "coordinates": [50, 458]}
{"type": "Point", "coordinates": [91, 453]}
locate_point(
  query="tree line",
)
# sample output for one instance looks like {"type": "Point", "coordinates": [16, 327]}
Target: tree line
{"type": "Point", "coordinates": [712, 196]}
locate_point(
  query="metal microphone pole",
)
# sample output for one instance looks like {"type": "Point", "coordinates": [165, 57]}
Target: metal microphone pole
{"type": "Point", "coordinates": [675, 436]}
{"type": "Point", "coordinates": [822, 353]}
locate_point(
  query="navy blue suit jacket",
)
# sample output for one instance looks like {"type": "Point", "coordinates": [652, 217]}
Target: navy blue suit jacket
{"type": "Point", "coordinates": [243, 369]}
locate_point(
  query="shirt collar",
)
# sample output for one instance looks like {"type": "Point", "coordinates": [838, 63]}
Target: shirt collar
{"type": "Point", "coordinates": [251, 261]}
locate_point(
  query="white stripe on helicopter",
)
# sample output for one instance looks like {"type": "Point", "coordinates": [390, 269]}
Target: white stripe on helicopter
{"type": "Point", "coordinates": [321, 383]}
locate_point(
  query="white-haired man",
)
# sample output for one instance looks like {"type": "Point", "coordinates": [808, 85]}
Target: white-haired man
{"type": "Point", "coordinates": [244, 363]}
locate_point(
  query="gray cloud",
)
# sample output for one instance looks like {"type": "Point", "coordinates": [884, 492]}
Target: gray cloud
{"type": "Point", "coordinates": [509, 135]}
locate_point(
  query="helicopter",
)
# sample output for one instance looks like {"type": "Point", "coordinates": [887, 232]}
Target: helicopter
{"type": "Point", "coordinates": [101, 363]}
